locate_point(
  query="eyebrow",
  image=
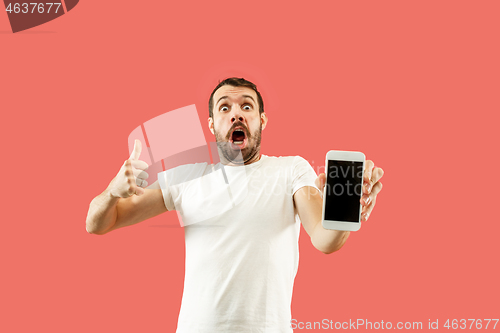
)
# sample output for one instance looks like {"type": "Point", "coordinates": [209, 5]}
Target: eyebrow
{"type": "Point", "coordinates": [225, 97]}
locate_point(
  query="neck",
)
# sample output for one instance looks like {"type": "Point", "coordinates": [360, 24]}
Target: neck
{"type": "Point", "coordinates": [237, 161]}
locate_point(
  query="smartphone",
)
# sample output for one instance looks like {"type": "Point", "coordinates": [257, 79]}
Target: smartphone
{"type": "Point", "coordinates": [343, 190]}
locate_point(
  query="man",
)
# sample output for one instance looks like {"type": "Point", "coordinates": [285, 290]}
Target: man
{"type": "Point", "coordinates": [242, 261]}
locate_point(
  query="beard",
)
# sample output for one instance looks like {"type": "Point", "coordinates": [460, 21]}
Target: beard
{"type": "Point", "coordinates": [248, 153]}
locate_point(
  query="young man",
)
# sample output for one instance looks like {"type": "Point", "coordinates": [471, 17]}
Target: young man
{"type": "Point", "coordinates": [242, 255]}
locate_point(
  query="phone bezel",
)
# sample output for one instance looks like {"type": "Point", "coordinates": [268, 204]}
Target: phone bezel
{"type": "Point", "coordinates": [341, 155]}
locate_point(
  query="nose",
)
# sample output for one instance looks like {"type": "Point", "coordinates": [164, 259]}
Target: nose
{"type": "Point", "coordinates": [237, 116]}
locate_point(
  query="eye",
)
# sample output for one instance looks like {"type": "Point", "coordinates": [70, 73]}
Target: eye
{"type": "Point", "coordinates": [224, 108]}
{"type": "Point", "coordinates": [247, 107]}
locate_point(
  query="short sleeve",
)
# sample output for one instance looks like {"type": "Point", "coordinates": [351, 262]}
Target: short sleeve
{"type": "Point", "coordinates": [165, 190]}
{"type": "Point", "coordinates": [302, 174]}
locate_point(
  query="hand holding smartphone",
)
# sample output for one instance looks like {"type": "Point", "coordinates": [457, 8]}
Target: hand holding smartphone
{"type": "Point", "coordinates": [343, 190]}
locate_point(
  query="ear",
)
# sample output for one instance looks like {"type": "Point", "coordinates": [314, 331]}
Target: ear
{"type": "Point", "coordinates": [211, 125]}
{"type": "Point", "coordinates": [264, 119]}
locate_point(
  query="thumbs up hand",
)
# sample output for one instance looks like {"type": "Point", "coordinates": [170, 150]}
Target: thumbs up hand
{"type": "Point", "coordinates": [131, 179]}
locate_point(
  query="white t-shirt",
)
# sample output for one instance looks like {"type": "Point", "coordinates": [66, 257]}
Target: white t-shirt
{"type": "Point", "coordinates": [241, 235]}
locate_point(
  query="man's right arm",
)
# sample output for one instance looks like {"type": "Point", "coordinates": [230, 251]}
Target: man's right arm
{"type": "Point", "coordinates": [107, 213]}
{"type": "Point", "coordinates": [125, 202]}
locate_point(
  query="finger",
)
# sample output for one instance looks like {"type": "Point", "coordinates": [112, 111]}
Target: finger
{"type": "Point", "coordinates": [376, 189]}
{"type": "Point", "coordinates": [368, 170]}
{"type": "Point", "coordinates": [367, 175]}
{"type": "Point", "coordinates": [365, 200]}
{"type": "Point", "coordinates": [136, 152]}
{"type": "Point", "coordinates": [134, 189]}
{"type": "Point", "coordinates": [371, 201]}
{"type": "Point", "coordinates": [138, 164]}
{"type": "Point", "coordinates": [129, 170]}
{"type": "Point", "coordinates": [141, 182]}
{"type": "Point", "coordinates": [139, 191]}
{"type": "Point", "coordinates": [368, 198]}
{"type": "Point", "coordinates": [141, 174]}
{"type": "Point", "coordinates": [377, 173]}
{"type": "Point", "coordinates": [366, 212]}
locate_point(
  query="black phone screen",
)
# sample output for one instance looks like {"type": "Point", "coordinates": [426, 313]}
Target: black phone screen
{"type": "Point", "coordinates": [343, 190]}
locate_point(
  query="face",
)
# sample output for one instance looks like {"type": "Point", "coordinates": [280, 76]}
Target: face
{"type": "Point", "coordinates": [237, 123]}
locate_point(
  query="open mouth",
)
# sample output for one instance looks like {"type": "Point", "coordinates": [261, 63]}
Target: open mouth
{"type": "Point", "coordinates": [238, 138]}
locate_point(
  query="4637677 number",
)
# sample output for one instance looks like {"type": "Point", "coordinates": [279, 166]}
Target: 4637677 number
{"type": "Point", "coordinates": [33, 7]}
{"type": "Point", "coordinates": [471, 323]}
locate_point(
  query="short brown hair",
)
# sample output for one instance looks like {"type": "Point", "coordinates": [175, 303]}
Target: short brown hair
{"type": "Point", "coordinates": [235, 82]}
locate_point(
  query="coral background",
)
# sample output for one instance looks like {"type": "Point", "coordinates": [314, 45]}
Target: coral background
{"type": "Point", "coordinates": [414, 85]}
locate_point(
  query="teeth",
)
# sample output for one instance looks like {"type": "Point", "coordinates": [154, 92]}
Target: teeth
{"type": "Point", "coordinates": [238, 130]}
{"type": "Point", "coordinates": [238, 142]}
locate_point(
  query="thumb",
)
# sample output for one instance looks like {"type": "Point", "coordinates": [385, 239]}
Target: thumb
{"type": "Point", "coordinates": [136, 152]}
{"type": "Point", "coordinates": [320, 181]}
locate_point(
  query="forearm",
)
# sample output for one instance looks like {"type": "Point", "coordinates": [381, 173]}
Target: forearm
{"type": "Point", "coordinates": [102, 213]}
{"type": "Point", "coordinates": [328, 241]}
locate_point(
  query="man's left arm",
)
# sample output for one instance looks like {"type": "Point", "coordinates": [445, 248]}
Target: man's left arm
{"type": "Point", "coordinates": [309, 204]}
